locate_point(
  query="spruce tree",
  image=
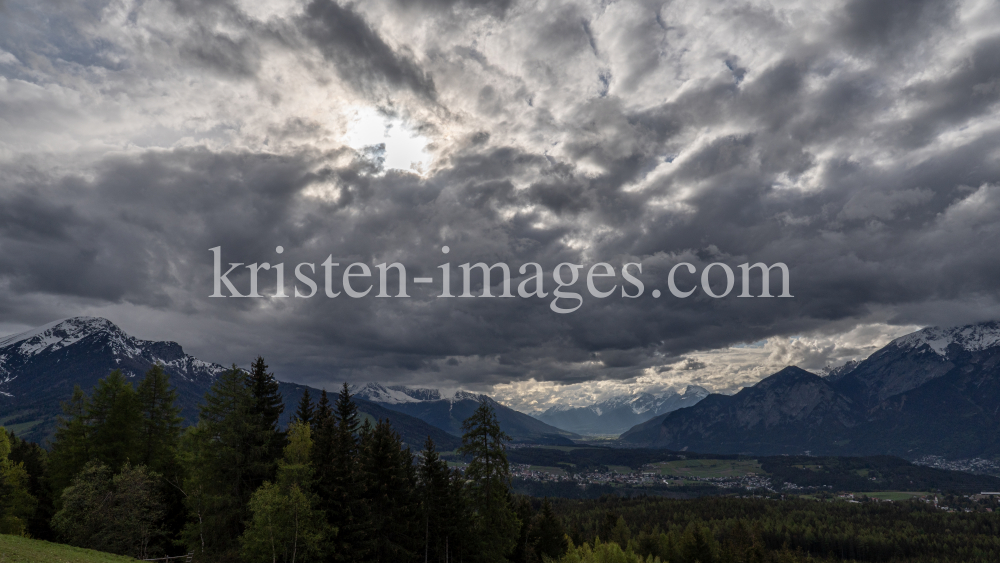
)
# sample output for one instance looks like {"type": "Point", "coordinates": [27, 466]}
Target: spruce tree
{"type": "Point", "coordinates": [33, 458]}
{"type": "Point", "coordinates": [433, 491]}
{"type": "Point", "coordinates": [548, 535]}
{"type": "Point", "coordinates": [323, 409]}
{"type": "Point", "coordinates": [348, 510]}
{"type": "Point", "coordinates": [524, 550]}
{"type": "Point", "coordinates": [304, 413]}
{"type": "Point", "coordinates": [71, 448]}
{"type": "Point", "coordinates": [459, 526]}
{"type": "Point", "coordinates": [223, 453]}
{"type": "Point", "coordinates": [115, 418]}
{"type": "Point", "coordinates": [161, 422]}
{"type": "Point", "coordinates": [390, 483]}
{"type": "Point", "coordinates": [267, 409]}
{"type": "Point", "coordinates": [489, 474]}
{"type": "Point", "coordinates": [159, 442]}
{"type": "Point", "coordinates": [324, 429]}
{"type": "Point", "coordinates": [338, 480]}
{"type": "Point", "coordinates": [348, 420]}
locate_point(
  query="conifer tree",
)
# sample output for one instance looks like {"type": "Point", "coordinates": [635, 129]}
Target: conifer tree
{"type": "Point", "coordinates": [698, 544]}
{"type": "Point", "coordinates": [223, 452]}
{"type": "Point", "coordinates": [115, 418]}
{"type": "Point", "coordinates": [305, 411]}
{"type": "Point", "coordinates": [267, 409]}
{"type": "Point", "coordinates": [161, 422]}
{"type": "Point", "coordinates": [159, 441]}
{"type": "Point", "coordinates": [390, 483]}
{"type": "Point", "coordinates": [344, 487]}
{"type": "Point", "coordinates": [323, 409]}
{"type": "Point", "coordinates": [459, 526]}
{"type": "Point", "coordinates": [71, 448]}
{"type": "Point", "coordinates": [433, 479]}
{"type": "Point", "coordinates": [34, 459]}
{"type": "Point", "coordinates": [524, 549]}
{"type": "Point", "coordinates": [489, 475]}
{"type": "Point", "coordinates": [547, 534]}
{"type": "Point", "coordinates": [348, 420]}
{"type": "Point", "coordinates": [323, 428]}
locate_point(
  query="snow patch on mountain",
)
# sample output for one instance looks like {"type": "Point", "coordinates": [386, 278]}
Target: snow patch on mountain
{"type": "Point", "coordinates": [57, 335]}
{"type": "Point", "coordinates": [18, 349]}
{"type": "Point", "coordinates": [419, 393]}
{"type": "Point", "coordinates": [397, 394]}
{"type": "Point", "coordinates": [467, 395]}
{"type": "Point", "coordinates": [378, 393]}
{"type": "Point", "coordinates": [839, 372]}
{"type": "Point", "coordinates": [972, 338]}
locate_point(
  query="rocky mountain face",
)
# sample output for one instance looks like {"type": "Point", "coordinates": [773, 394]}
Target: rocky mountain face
{"type": "Point", "coordinates": [933, 392]}
{"type": "Point", "coordinates": [618, 414]}
{"type": "Point", "coordinates": [448, 413]}
{"type": "Point", "coordinates": [394, 394]}
{"type": "Point", "coordinates": [40, 367]}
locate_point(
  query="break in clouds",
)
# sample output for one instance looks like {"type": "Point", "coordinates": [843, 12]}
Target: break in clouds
{"type": "Point", "coordinates": [856, 142]}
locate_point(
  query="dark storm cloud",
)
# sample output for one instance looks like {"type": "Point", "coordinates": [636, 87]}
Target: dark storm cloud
{"type": "Point", "coordinates": [972, 90]}
{"type": "Point", "coordinates": [828, 156]}
{"type": "Point", "coordinates": [879, 28]}
{"type": "Point", "coordinates": [359, 54]}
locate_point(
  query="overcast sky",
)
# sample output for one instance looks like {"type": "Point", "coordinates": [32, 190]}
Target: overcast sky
{"type": "Point", "coordinates": [857, 142]}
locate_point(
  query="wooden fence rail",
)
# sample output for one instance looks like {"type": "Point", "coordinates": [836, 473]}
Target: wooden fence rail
{"type": "Point", "coordinates": [176, 558]}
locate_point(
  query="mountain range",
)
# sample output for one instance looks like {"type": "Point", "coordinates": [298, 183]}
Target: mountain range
{"type": "Point", "coordinates": [40, 367]}
{"type": "Point", "coordinates": [620, 413]}
{"type": "Point", "coordinates": [448, 412]}
{"type": "Point", "coordinates": [932, 392]}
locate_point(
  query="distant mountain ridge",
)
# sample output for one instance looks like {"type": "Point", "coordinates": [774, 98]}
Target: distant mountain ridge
{"type": "Point", "coordinates": [617, 414]}
{"type": "Point", "coordinates": [932, 392]}
{"type": "Point", "coordinates": [39, 368]}
{"type": "Point", "coordinates": [447, 413]}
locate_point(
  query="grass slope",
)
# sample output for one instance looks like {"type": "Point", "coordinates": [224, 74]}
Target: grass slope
{"type": "Point", "coordinates": [15, 549]}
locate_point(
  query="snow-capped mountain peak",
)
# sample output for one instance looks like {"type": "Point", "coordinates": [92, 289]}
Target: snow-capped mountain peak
{"type": "Point", "coordinates": [40, 367]}
{"type": "Point", "coordinates": [696, 391]}
{"type": "Point", "coordinates": [378, 393]}
{"type": "Point", "coordinates": [62, 336]}
{"type": "Point", "coordinates": [463, 395]}
{"type": "Point", "coordinates": [972, 338]}
{"type": "Point", "coordinates": [398, 394]}
{"type": "Point", "coordinates": [58, 334]}
{"type": "Point", "coordinates": [418, 393]}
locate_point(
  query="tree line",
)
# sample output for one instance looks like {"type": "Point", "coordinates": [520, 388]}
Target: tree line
{"type": "Point", "coordinates": [124, 476]}
{"type": "Point", "coordinates": [761, 530]}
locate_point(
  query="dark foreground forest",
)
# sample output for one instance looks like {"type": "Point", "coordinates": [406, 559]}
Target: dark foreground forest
{"type": "Point", "coordinates": [123, 476]}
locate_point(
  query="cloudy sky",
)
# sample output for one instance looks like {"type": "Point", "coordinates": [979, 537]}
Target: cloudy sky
{"type": "Point", "coordinates": [857, 142]}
